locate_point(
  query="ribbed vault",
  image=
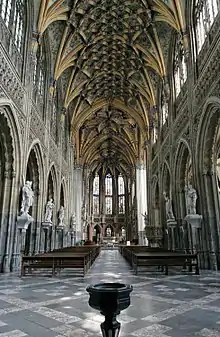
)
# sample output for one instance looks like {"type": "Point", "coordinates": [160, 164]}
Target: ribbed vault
{"type": "Point", "coordinates": [110, 57]}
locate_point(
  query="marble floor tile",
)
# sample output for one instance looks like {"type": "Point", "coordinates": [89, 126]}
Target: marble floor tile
{"type": "Point", "coordinates": [178, 305]}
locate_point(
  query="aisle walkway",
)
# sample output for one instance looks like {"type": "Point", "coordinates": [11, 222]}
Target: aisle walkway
{"type": "Point", "coordinates": [173, 306]}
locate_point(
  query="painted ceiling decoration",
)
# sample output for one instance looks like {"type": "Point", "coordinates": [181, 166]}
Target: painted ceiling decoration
{"type": "Point", "coordinates": [110, 56]}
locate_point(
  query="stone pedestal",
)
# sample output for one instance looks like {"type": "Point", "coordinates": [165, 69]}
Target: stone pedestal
{"type": "Point", "coordinates": [141, 238]}
{"type": "Point", "coordinates": [154, 235]}
{"type": "Point", "coordinates": [59, 236]}
{"type": "Point", "coordinates": [23, 221]}
{"type": "Point", "coordinates": [71, 237]}
{"type": "Point", "coordinates": [195, 223]}
{"type": "Point", "coordinates": [46, 225]}
{"type": "Point", "coordinates": [45, 244]}
{"type": "Point", "coordinates": [171, 226]}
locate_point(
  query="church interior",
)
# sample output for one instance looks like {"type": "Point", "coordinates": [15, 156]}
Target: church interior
{"type": "Point", "coordinates": [109, 165]}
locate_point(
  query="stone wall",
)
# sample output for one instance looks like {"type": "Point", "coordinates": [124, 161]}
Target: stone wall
{"type": "Point", "coordinates": [191, 140]}
{"type": "Point", "coordinates": [30, 152]}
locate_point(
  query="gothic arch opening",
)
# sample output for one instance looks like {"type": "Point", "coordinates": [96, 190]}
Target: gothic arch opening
{"type": "Point", "coordinates": [182, 178]}
{"type": "Point", "coordinates": [62, 199]}
{"type": "Point", "coordinates": [32, 174]}
{"type": "Point", "coordinates": [96, 234]}
{"type": "Point", "coordinates": [51, 194]}
{"type": "Point", "coordinates": [208, 152]}
{"type": "Point", "coordinates": [6, 177]}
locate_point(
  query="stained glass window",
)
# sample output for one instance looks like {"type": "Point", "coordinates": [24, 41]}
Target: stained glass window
{"type": "Point", "coordinates": [96, 195]}
{"type": "Point", "coordinates": [180, 69]}
{"type": "Point", "coordinates": [12, 12]}
{"type": "Point", "coordinates": [108, 194]}
{"type": "Point", "coordinates": [121, 195]}
{"type": "Point", "coordinates": [108, 185]}
{"type": "Point", "coordinates": [205, 13]}
{"type": "Point", "coordinates": [108, 205]}
{"type": "Point", "coordinates": [164, 113]}
{"type": "Point", "coordinates": [121, 185]}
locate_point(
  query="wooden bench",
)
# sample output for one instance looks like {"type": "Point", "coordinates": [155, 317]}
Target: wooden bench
{"type": "Point", "coordinates": [143, 256]}
{"type": "Point", "coordinates": [55, 262]}
{"type": "Point", "coordinates": [62, 258]}
{"type": "Point", "coordinates": [165, 259]}
{"type": "Point", "coordinates": [94, 251]}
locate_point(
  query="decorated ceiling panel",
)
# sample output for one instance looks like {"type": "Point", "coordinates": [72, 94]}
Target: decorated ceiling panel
{"type": "Point", "coordinates": [110, 56]}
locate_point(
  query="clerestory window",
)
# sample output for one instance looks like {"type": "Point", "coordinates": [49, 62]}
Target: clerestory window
{"type": "Point", "coordinates": [205, 14]}
{"type": "Point", "coordinates": [13, 14]}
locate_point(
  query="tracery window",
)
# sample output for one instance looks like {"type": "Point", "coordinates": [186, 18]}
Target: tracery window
{"type": "Point", "coordinates": [39, 73]}
{"type": "Point", "coordinates": [180, 68]}
{"type": "Point", "coordinates": [155, 134]}
{"type": "Point", "coordinates": [108, 194]}
{"type": "Point", "coordinates": [96, 194]}
{"type": "Point", "coordinates": [164, 113]}
{"type": "Point", "coordinates": [121, 195]}
{"type": "Point", "coordinates": [12, 13]}
{"type": "Point", "coordinates": [205, 13]}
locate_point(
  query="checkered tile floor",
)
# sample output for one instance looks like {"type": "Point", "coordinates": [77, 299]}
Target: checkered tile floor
{"type": "Point", "coordinates": [178, 305]}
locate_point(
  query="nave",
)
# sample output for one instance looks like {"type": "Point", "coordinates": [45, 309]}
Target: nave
{"type": "Point", "coordinates": [161, 306]}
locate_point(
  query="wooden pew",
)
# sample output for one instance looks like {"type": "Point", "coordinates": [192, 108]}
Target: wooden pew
{"type": "Point", "coordinates": [164, 259]}
{"type": "Point", "coordinates": [55, 262]}
{"type": "Point", "coordinates": [143, 256]}
{"type": "Point", "coordinates": [71, 257]}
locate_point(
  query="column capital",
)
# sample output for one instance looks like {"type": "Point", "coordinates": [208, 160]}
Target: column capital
{"type": "Point", "coordinates": [141, 166]}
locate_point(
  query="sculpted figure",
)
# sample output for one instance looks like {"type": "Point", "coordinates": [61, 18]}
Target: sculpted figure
{"type": "Point", "coordinates": [61, 216]}
{"type": "Point", "coordinates": [191, 198]}
{"type": "Point", "coordinates": [73, 222]}
{"type": "Point", "coordinates": [49, 211]}
{"type": "Point", "coordinates": [145, 215]}
{"type": "Point", "coordinates": [27, 197]}
{"type": "Point", "coordinates": [168, 205]}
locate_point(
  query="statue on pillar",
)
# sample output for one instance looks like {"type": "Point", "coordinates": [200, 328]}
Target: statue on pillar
{"type": "Point", "coordinates": [49, 211]}
{"type": "Point", "coordinates": [191, 198]}
{"type": "Point", "coordinates": [146, 220]}
{"type": "Point", "coordinates": [168, 206]}
{"type": "Point", "coordinates": [73, 222]}
{"type": "Point", "coordinates": [27, 197]}
{"type": "Point", "coordinates": [61, 216]}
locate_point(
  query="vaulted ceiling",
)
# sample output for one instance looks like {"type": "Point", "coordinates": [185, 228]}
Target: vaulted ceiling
{"type": "Point", "coordinates": [110, 57]}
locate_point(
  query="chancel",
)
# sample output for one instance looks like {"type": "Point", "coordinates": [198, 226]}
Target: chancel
{"type": "Point", "coordinates": [109, 164]}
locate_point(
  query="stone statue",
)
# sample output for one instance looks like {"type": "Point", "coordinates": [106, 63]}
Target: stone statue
{"type": "Point", "coordinates": [191, 198]}
{"type": "Point", "coordinates": [73, 222]}
{"type": "Point", "coordinates": [49, 211]}
{"type": "Point", "coordinates": [146, 221]}
{"type": "Point", "coordinates": [27, 197]}
{"type": "Point", "coordinates": [168, 205]}
{"type": "Point", "coordinates": [61, 216]}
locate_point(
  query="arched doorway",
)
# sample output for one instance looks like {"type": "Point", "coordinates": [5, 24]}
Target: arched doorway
{"type": "Point", "coordinates": [7, 189]}
{"type": "Point", "coordinates": [96, 234]}
{"type": "Point", "coordinates": [182, 177]}
{"type": "Point", "coordinates": [123, 235]}
{"type": "Point", "coordinates": [62, 201]}
{"type": "Point", "coordinates": [48, 235]}
{"type": "Point", "coordinates": [109, 231]}
{"type": "Point", "coordinates": [207, 152]}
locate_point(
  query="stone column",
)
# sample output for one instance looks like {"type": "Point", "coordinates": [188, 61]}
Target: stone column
{"type": "Point", "coordinates": [9, 234]}
{"type": "Point", "coordinates": [141, 186]}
